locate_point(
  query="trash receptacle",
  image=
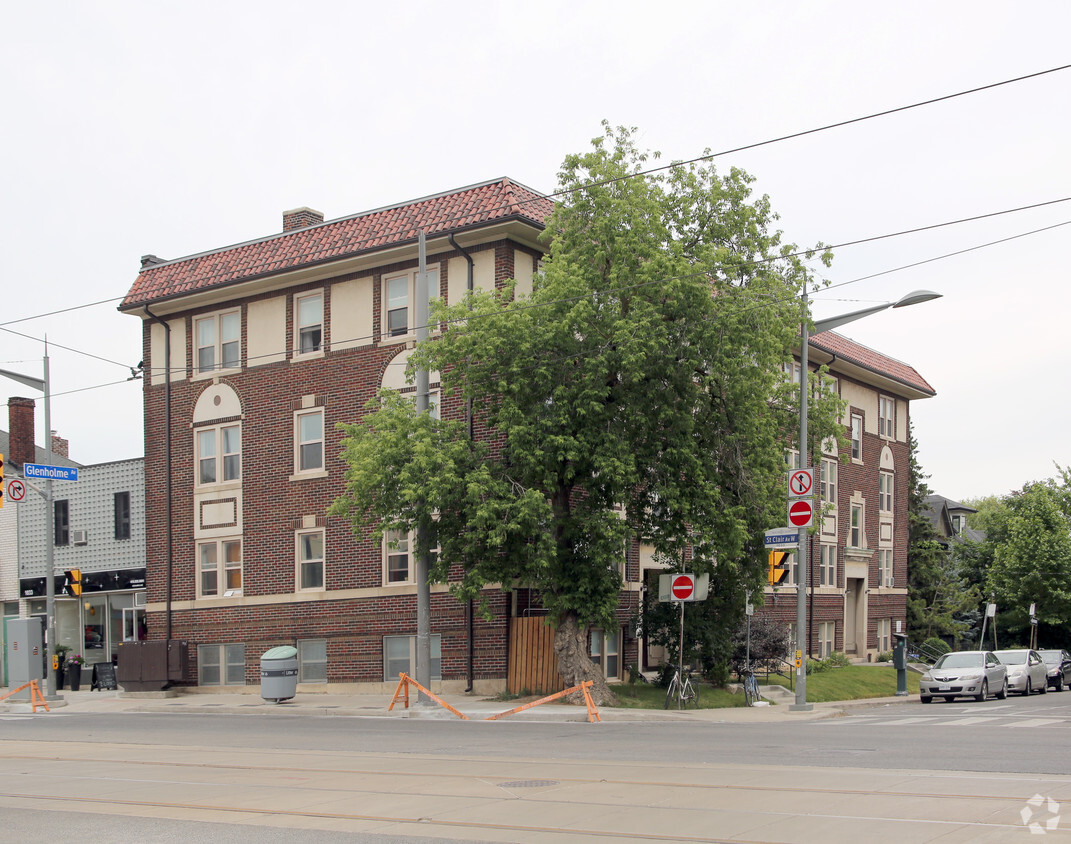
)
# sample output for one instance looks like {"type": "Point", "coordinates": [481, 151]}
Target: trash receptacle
{"type": "Point", "coordinates": [279, 674]}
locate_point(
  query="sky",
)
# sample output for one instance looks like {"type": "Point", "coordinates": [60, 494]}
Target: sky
{"type": "Point", "coordinates": [136, 128]}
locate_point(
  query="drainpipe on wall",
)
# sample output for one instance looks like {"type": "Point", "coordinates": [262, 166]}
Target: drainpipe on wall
{"type": "Point", "coordinates": [167, 453]}
{"type": "Point", "coordinates": [468, 420]}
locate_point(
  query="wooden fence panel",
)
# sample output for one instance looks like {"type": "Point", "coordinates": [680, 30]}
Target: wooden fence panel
{"type": "Point", "coordinates": [533, 665]}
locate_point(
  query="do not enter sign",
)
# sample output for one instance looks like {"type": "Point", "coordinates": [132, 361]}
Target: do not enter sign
{"type": "Point", "coordinates": [683, 586]}
{"type": "Point", "coordinates": [801, 513]}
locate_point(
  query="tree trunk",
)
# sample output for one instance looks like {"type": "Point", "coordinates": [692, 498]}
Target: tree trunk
{"type": "Point", "coordinates": [574, 665]}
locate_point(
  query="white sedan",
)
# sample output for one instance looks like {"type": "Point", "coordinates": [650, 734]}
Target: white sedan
{"type": "Point", "coordinates": [1027, 671]}
{"type": "Point", "coordinates": [965, 674]}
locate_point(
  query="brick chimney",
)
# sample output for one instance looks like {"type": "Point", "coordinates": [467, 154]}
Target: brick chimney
{"type": "Point", "coordinates": [20, 431]}
{"type": "Point", "coordinates": [301, 218]}
{"type": "Point", "coordinates": [60, 445]}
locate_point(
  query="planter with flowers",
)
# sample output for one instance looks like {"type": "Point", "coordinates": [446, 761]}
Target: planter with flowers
{"type": "Point", "coordinates": [74, 670]}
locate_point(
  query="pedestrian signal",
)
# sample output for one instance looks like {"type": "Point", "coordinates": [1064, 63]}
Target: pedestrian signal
{"type": "Point", "coordinates": [73, 586]}
{"type": "Point", "coordinates": [777, 567]}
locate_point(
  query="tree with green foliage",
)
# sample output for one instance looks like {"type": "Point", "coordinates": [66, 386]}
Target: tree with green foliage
{"type": "Point", "coordinates": [940, 601]}
{"type": "Point", "coordinates": [637, 393]}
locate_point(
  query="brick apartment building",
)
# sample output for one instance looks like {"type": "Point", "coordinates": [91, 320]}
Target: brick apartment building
{"type": "Point", "coordinates": [255, 352]}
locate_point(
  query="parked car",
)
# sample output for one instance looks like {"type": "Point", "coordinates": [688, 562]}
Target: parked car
{"type": "Point", "coordinates": [1059, 665]}
{"type": "Point", "coordinates": [1026, 670]}
{"type": "Point", "coordinates": [965, 674]}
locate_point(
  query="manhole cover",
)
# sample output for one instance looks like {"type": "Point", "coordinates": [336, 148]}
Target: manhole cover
{"type": "Point", "coordinates": [528, 784]}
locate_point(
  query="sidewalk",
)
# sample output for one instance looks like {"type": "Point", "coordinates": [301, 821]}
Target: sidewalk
{"type": "Point", "coordinates": [476, 707]}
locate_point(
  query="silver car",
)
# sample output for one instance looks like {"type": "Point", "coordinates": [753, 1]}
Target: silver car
{"type": "Point", "coordinates": [965, 674]}
{"type": "Point", "coordinates": [1026, 670]}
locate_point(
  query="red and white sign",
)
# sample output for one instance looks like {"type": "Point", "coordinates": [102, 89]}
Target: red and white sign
{"type": "Point", "coordinates": [16, 489]}
{"type": "Point", "coordinates": [800, 482]}
{"type": "Point", "coordinates": [801, 513]}
{"type": "Point", "coordinates": [683, 586]}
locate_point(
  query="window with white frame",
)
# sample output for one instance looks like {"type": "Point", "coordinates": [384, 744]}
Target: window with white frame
{"type": "Point", "coordinates": [885, 572]}
{"type": "Point", "coordinates": [309, 323]}
{"type": "Point", "coordinates": [606, 652]}
{"type": "Point", "coordinates": [855, 526]}
{"type": "Point", "coordinates": [793, 642]}
{"type": "Point", "coordinates": [827, 635]}
{"type": "Point", "coordinates": [399, 654]}
{"type": "Point", "coordinates": [827, 565]}
{"type": "Point", "coordinates": [885, 492]}
{"type": "Point", "coordinates": [219, 567]}
{"type": "Point", "coordinates": [886, 417]}
{"type": "Point", "coordinates": [792, 459]}
{"type": "Point", "coordinates": [221, 665]}
{"type": "Point", "coordinates": [312, 660]}
{"type": "Point", "coordinates": [857, 437]}
{"type": "Point", "coordinates": [792, 570]}
{"type": "Point", "coordinates": [884, 635]}
{"type": "Point", "coordinates": [218, 339]}
{"type": "Point", "coordinates": [399, 294]}
{"type": "Point", "coordinates": [309, 441]}
{"type": "Point", "coordinates": [396, 556]}
{"type": "Point", "coordinates": [828, 481]}
{"type": "Point", "coordinates": [219, 454]}
{"type": "Point", "coordinates": [791, 369]}
{"type": "Point", "coordinates": [310, 559]}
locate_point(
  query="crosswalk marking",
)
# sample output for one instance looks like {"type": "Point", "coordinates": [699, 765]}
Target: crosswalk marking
{"type": "Point", "coordinates": [1037, 722]}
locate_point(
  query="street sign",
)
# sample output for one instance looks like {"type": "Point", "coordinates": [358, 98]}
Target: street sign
{"type": "Point", "coordinates": [666, 582]}
{"type": "Point", "coordinates": [781, 536]}
{"type": "Point", "coordinates": [800, 482]}
{"type": "Point", "coordinates": [16, 489]}
{"type": "Point", "coordinates": [801, 513]}
{"type": "Point", "coordinates": [683, 586]}
{"type": "Point", "coordinates": [51, 473]}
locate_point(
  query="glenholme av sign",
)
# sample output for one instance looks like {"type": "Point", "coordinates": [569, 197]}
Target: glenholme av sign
{"type": "Point", "coordinates": [49, 473]}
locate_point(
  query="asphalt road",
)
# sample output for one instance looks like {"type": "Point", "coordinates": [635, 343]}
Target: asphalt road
{"type": "Point", "coordinates": [959, 772]}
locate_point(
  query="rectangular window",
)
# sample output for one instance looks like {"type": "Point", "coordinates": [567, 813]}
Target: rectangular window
{"type": "Point", "coordinates": [122, 515]}
{"type": "Point", "coordinates": [61, 522]}
{"type": "Point", "coordinates": [887, 417]}
{"type": "Point", "coordinates": [310, 562]}
{"type": "Point", "coordinates": [218, 341]}
{"type": "Point", "coordinates": [885, 573]}
{"type": "Point", "coordinates": [792, 570]}
{"type": "Point", "coordinates": [857, 437]}
{"type": "Point", "coordinates": [399, 654]}
{"type": "Point", "coordinates": [829, 481]}
{"type": "Point", "coordinates": [221, 665]}
{"type": "Point", "coordinates": [396, 550]}
{"type": "Point", "coordinates": [310, 441]}
{"type": "Point", "coordinates": [827, 632]}
{"type": "Point", "coordinates": [220, 562]}
{"type": "Point", "coordinates": [855, 535]}
{"type": "Point", "coordinates": [792, 459]}
{"type": "Point", "coordinates": [885, 492]}
{"type": "Point", "coordinates": [605, 652]}
{"type": "Point", "coordinates": [309, 318]}
{"type": "Point", "coordinates": [312, 660]}
{"type": "Point", "coordinates": [792, 371]}
{"type": "Point", "coordinates": [827, 565]}
{"type": "Point", "coordinates": [884, 635]}
{"type": "Point", "coordinates": [399, 294]}
{"type": "Point", "coordinates": [219, 454]}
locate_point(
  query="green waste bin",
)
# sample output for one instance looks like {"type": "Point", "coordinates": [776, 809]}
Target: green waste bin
{"type": "Point", "coordinates": [279, 674]}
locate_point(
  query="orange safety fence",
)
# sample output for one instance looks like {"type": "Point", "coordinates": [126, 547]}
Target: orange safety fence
{"type": "Point", "coordinates": [593, 712]}
{"type": "Point", "coordinates": [35, 695]}
{"type": "Point", "coordinates": [405, 681]}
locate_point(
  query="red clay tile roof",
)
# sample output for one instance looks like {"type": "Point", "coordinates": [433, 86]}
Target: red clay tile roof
{"type": "Point", "coordinates": [849, 350]}
{"type": "Point", "coordinates": [453, 211]}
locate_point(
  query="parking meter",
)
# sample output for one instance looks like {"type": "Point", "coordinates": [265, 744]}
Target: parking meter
{"type": "Point", "coordinates": [899, 661]}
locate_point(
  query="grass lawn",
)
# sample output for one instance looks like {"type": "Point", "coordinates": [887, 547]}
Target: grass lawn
{"type": "Point", "coordinates": [850, 682]}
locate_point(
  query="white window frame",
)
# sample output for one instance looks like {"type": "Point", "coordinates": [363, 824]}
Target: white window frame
{"type": "Point", "coordinates": [827, 565]}
{"type": "Point", "coordinates": [792, 569]}
{"type": "Point", "coordinates": [792, 459]}
{"type": "Point", "coordinates": [228, 661]}
{"type": "Point", "coordinates": [396, 545]}
{"type": "Point", "coordinates": [857, 526]}
{"type": "Point", "coordinates": [792, 371]}
{"type": "Point", "coordinates": [827, 638]}
{"type": "Point", "coordinates": [219, 346]}
{"type": "Point", "coordinates": [885, 492]}
{"type": "Point", "coordinates": [885, 567]}
{"type": "Point", "coordinates": [409, 277]}
{"type": "Point", "coordinates": [304, 564]}
{"type": "Point", "coordinates": [314, 329]}
{"type": "Point", "coordinates": [828, 481]}
{"type": "Point", "coordinates": [300, 444]}
{"type": "Point", "coordinates": [884, 635]}
{"type": "Point", "coordinates": [211, 557]}
{"type": "Point", "coordinates": [312, 660]}
{"type": "Point", "coordinates": [605, 652]}
{"type": "Point", "coordinates": [856, 435]}
{"type": "Point", "coordinates": [223, 461]}
{"type": "Point", "coordinates": [887, 417]}
{"type": "Point", "coordinates": [410, 644]}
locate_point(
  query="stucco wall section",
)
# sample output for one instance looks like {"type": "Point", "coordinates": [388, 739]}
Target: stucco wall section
{"type": "Point", "coordinates": [351, 313]}
{"type": "Point", "coordinates": [266, 331]}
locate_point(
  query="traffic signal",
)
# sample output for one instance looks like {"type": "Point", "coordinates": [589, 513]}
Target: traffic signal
{"type": "Point", "coordinates": [1, 482]}
{"type": "Point", "coordinates": [73, 586]}
{"type": "Point", "coordinates": [777, 567]}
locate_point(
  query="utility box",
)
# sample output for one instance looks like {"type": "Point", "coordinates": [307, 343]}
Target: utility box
{"type": "Point", "coordinates": [279, 674]}
{"type": "Point", "coordinates": [152, 665]}
{"type": "Point", "coordinates": [25, 654]}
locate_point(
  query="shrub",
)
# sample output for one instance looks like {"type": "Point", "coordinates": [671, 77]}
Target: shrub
{"type": "Point", "coordinates": [937, 646]}
{"type": "Point", "coordinates": [885, 656]}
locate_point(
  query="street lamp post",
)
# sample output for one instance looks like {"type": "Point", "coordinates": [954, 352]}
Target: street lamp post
{"type": "Point", "coordinates": [803, 563]}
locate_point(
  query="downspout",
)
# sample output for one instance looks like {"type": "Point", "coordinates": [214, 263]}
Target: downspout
{"type": "Point", "coordinates": [167, 454]}
{"type": "Point", "coordinates": [469, 623]}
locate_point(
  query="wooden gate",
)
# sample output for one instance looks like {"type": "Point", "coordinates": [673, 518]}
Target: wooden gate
{"type": "Point", "coordinates": [533, 665]}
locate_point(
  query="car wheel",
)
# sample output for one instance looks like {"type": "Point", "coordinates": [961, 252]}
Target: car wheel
{"type": "Point", "coordinates": [1044, 689]}
{"type": "Point", "coordinates": [984, 692]}
{"type": "Point", "coordinates": [925, 698]}
{"type": "Point", "coordinates": [1026, 688]}
{"type": "Point", "coordinates": [1003, 693]}
{"type": "Point", "coordinates": [1058, 686]}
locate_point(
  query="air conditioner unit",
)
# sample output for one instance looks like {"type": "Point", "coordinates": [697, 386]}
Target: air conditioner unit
{"type": "Point", "coordinates": [139, 599]}
{"type": "Point", "coordinates": [79, 537]}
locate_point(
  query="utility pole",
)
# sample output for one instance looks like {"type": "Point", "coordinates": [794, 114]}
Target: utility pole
{"type": "Point", "coordinates": [423, 642]}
